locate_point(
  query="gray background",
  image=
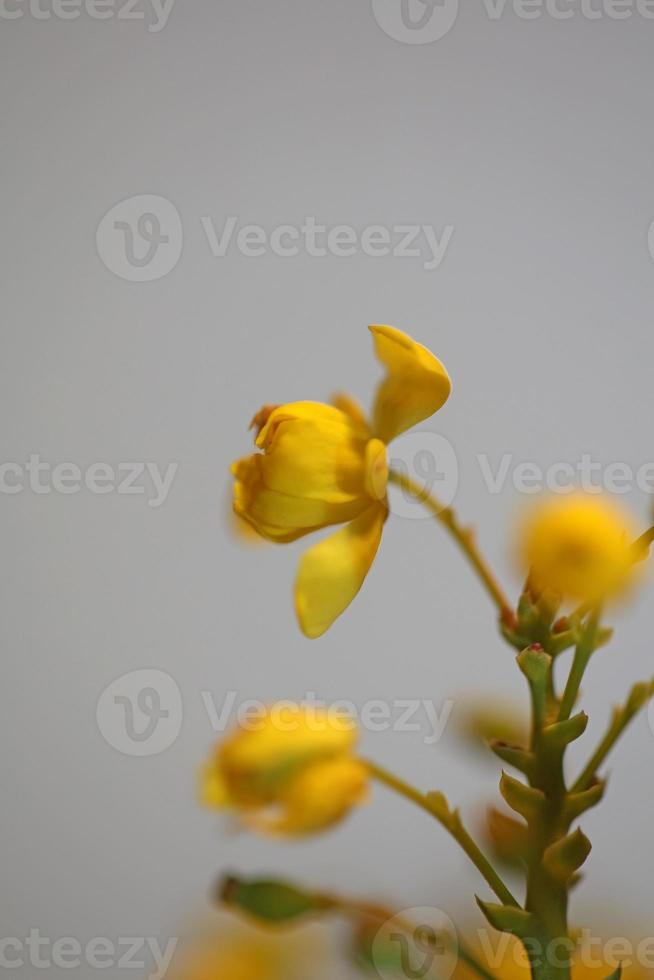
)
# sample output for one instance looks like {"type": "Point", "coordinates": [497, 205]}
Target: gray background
{"type": "Point", "coordinates": [534, 140]}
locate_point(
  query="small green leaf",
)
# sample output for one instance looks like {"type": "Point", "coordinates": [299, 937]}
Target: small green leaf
{"type": "Point", "coordinates": [525, 800]}
{"type": "Point", "coordinates": [577, 803]}
{"type": "Point", "coordinates": [508, 918]}
{"type": "Point", "coordinates": [535, 664]}
{"type": "Point", "coordinates": [563, 858]}
{"type": "Point", "coordinates": [617, 973]}
{"type": "Point", "coordinates": [514, 756]}
{"type": "Point", "coordinates": [561, 733]}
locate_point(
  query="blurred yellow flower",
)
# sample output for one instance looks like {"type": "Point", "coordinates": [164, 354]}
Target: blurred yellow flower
{"type": "Point", "coordinates": [234, 951]}
{"type": "Point", "coordinates": [292, 772]}
{"type": "Point", "coordinates": [579, 546]}
{"type": "Point", "coordinates": [594, 959]}
{"type": "Point", "coordinates": [321, 465]}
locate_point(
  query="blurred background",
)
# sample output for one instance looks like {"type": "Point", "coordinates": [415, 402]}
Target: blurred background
{"type": "Point", "coordinates": [494, 174]}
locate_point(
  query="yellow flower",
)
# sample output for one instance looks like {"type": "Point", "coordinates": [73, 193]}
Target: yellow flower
{"type": "Point", "coordinates": [231, 950]}
{"type": "Point", "coordinates": [291, 772]}
{"type": "Point", "coordinates": [579, 546]}
{"type": "Point", "coordinates": [321, 465]}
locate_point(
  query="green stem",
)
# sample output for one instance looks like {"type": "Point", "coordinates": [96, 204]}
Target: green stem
{"type": "Point", "coordinates": [464, 538]}
{"type": "Point", "coordinates": [547, 898]}
{"type": "Point", "coordinates": [583, 653]}
{"type": "Point", "coordinates": [622, 717]}
{"type": "Point", "coordinates": [435, 805]}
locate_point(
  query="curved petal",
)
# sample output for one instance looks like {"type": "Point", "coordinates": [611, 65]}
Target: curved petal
{"type": "Point", "coordinates": [280, 517]}
{"type": "Point", "coordinates": [416, 385]}
{"type": "Point", "coordinates": [313, 450]}
{"type": "Point", "coordinates": [332, 572]}
{"type": "Point", "coordinates": [320, 796]}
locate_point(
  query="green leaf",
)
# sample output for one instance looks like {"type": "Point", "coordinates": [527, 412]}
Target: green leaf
{"type": "Point", "coordinates": [514, 756]}
{"type": "Point", "coordinates": [577, 803]}
{"type": "Point", "coordinates": [617, 973]}
{"type": "Point", "coordinates": [508, 918]}
{"type": "Point", "coordinates": [525, 800]}
{"type": "Point", "coordinates": [270, 901]}
{"type": "Point", "coordinates": [560, 734]}
{"type": "Point", "coordinates": [563, 858]}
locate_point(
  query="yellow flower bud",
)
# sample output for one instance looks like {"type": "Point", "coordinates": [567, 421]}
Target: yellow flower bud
{"type": "Point", "coordinates": [579, 546]}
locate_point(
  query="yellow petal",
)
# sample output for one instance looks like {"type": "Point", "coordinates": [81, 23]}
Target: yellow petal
{"type": "Point", "coordinates": [416, 385]}
{"type": "Point", "coordinates": [319, 797]}
{"type": "Point", "coordinates": [256, 762]}
{"type": "Point", "coordinates": [281, 517]}
{"type": "Point", "coordinates": [332, 571]}
{"type": "Point", "coordinates": [213, 790]}
{"type": "Point", "coordinates": [313, 450]}
{"type": "Point", "coordinates": [579, 546]}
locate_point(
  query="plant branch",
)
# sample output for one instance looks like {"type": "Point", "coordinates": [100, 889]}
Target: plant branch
{"type": "Point", "coordinates": [622, 716]}
{"type": "Point", "coordinates": [583, 653]}
{"type": "Point", "coordinates": [436, 805]}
